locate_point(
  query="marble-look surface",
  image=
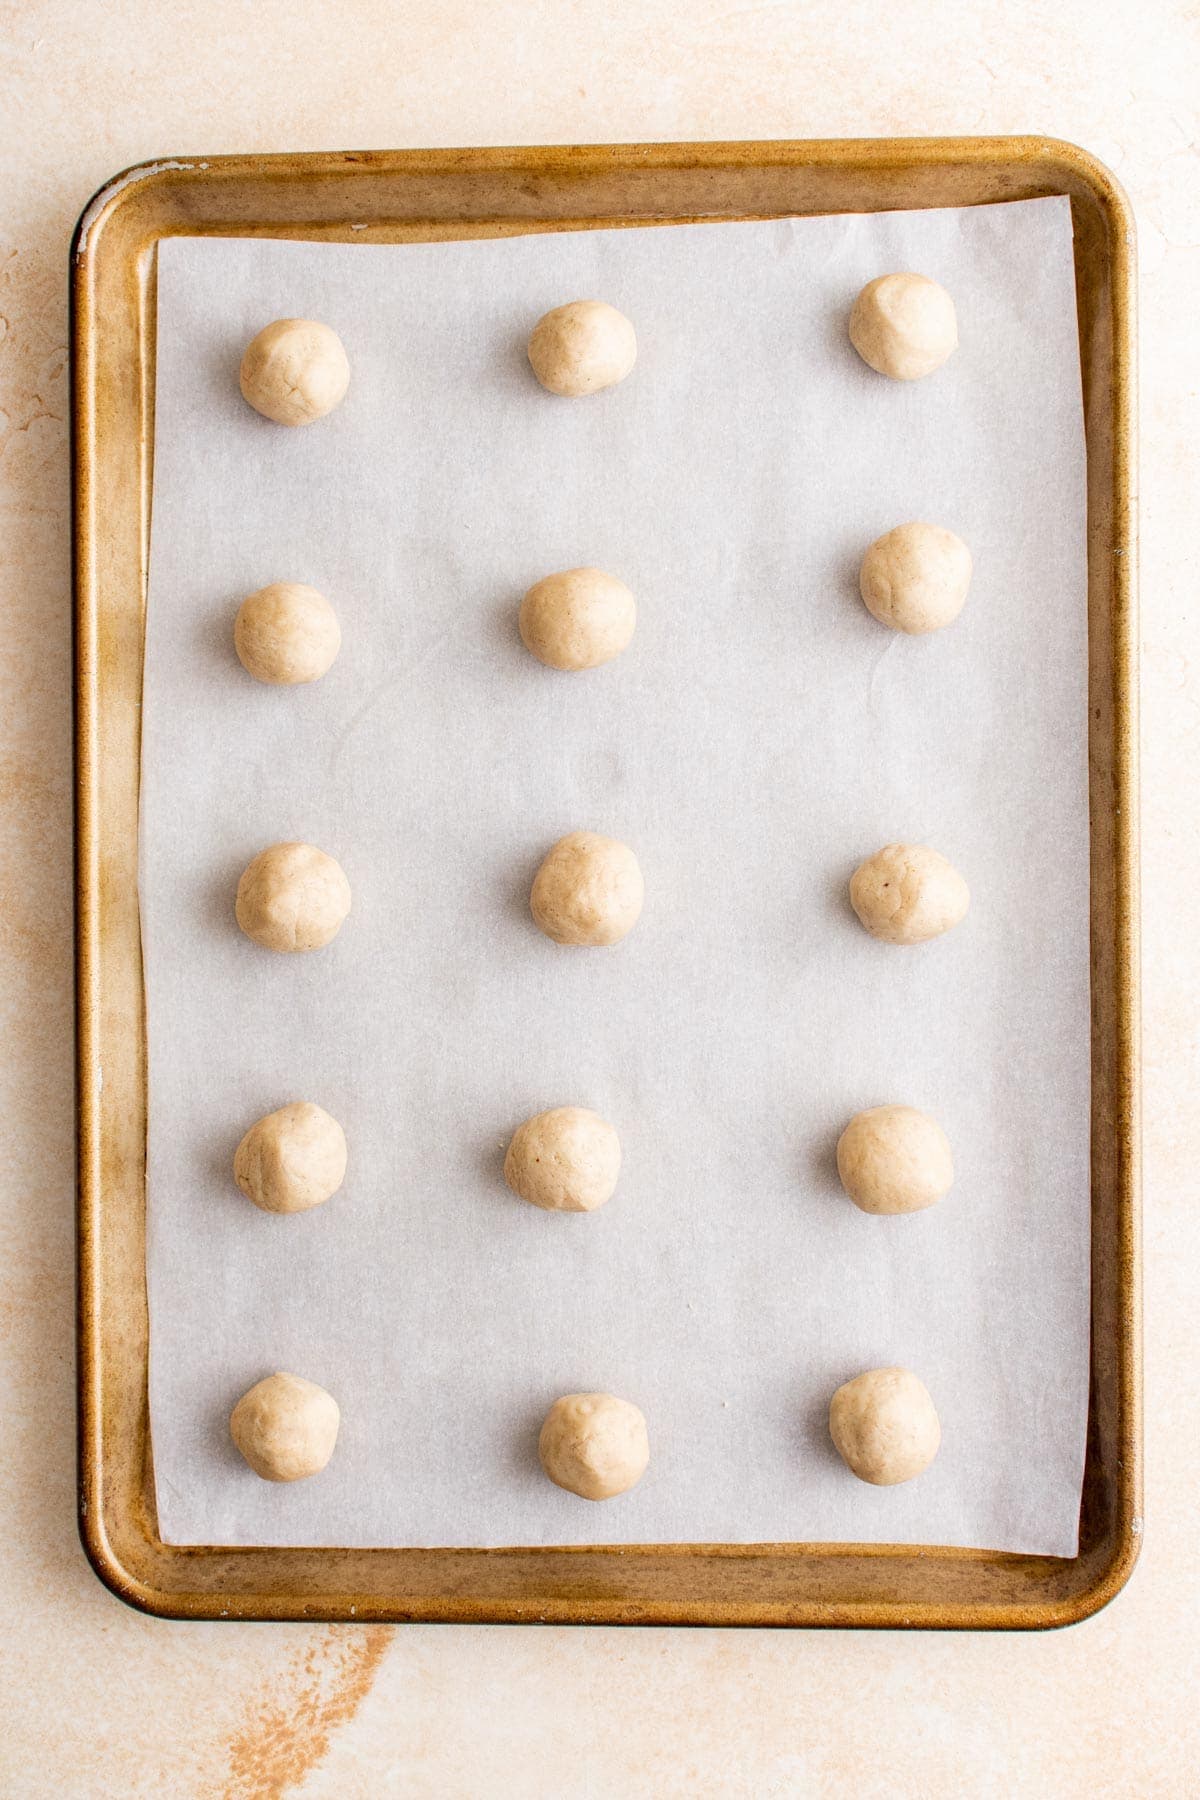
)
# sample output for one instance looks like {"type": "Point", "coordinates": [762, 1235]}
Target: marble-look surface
{"type": "Point", "coordinates": [102, 1702]}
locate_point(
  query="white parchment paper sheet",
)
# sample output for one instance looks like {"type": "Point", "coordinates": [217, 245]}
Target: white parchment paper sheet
{"type": "Point", "coordinates": [761, 736]}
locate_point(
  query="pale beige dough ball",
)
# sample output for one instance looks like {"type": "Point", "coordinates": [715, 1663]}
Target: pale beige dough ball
{"type": "Point", "coordinates": [582, 347]}
{"type": "Point", "coordinates": [565, 1160]}
{"type": "Point", "coordinates": [292, 897]}
{"type": "Point", "coordinates": [904, 326]}
{"type": "Point", "coordinates": [286, 634]}
{"type": "Point", "coordinates": [894, 1159]}
{"type": "Point", "coordinates": [594, 1445]}
{"type": "Point", "coordinates": [291, 1159]}
{"type": "Point", "coordinates": [577, 619]}
{"type": "Point", "coordinates": [885, 1426]}
{"type": "Point", "coordinates": [915, 577]}
{"type": "Point", "coordinates": [295, 371]}
{"type": "Point", "coordinates": [907, 893]}
{"type": "Point", "coordinates": [589, 890]}
{"type": "Point", "coordinates": [285, 1427]}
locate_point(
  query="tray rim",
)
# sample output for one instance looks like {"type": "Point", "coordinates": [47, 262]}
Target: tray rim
{"type": "Point", "coordinates": [1076, 172]}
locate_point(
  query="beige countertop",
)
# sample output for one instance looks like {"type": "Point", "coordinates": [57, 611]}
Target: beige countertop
{"type": "Point", "coordinates": [100, 1701]}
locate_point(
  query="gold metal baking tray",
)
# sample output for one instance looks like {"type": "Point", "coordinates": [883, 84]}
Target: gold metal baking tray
{"type": "Point", "coordinates": [401, 197]}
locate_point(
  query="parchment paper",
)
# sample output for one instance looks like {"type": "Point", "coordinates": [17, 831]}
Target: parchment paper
{"type": "Point", "coordinates": [761, 735]}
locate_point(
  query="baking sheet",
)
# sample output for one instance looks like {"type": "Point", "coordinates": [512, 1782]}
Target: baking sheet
{"type": "Point", "coordinates": [760, 736]}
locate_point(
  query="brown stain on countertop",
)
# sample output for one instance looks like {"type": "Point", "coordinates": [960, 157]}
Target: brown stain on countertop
{"type": "Point", "coordinates": [289, 1726]}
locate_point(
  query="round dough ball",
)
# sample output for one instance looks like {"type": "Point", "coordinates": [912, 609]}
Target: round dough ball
{"type": "Point", "coordinates": [286, 634]}
{"type": "Point", "coordinates": [589, 890]}
{"type": "Point", "coordinates": [915, 578]}
{"type": "Point", "coordinates": [894, 1159]}
{"type": "Point", "coordinates": [295, 371]}
{"type": "Point", "coordinates": [907, 893]}
{"type": "Point", "coordinates": [292, 897]}
{"type": "Point", "coordinates": [904, 326]}
{"type": "Point", "coordinates": [565, 1160]}
{"type": "Point", "coordinates": [885, 1426]}
{"type": "Point", "coordinates": [582, 347]}
{"type": "Point", "coordinates": [291, 1159]}
{"type": "Point", "coordinates": [577, 619]}
{"type": "Point", "coordinates": [594, 1445]}
{"type": "Point", "coordinates": [285, 1427]}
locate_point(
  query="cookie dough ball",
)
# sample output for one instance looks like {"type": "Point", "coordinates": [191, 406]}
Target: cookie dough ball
{"type": "Point", "coordinates": [588, 890]}
{"type": "Point", "coordinates": [594, 1445]}
{"type": "Point", "coordinates": [286, 634]}
{"type": "Point", "coordinates": [285, 1427]}
{"type": "Point", "coordinates": [578, 619]}
{"type": "Point", "coordinates": [295, 371]}
{"type": "Point", "coordinates": [565, 1160]}
{"type": "Point", "coordinates": [904, 326]}
{"type": "Point", "coordinates": [582, 347]}
{"type": "Point", "coordinates": [894, 1159]}
{"type": "Point", "coordinates": [907, 893]}
{"type": "Point", "coordinates": [915, 578]}
{"type": "Point", "coordinates": [291, 1159]}
{"type": "Point", "coordinates": [292, 897]}
{"type": "Point", "coordinates": [885, 1426]}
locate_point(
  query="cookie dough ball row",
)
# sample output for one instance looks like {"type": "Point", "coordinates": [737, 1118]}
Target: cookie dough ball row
{"type": "Point", "coordinates": [296, 371]}
{"type": "Point", "coordinates": [915, 577]}
{"type": "Point", "coordinates": [292, 897]}
{"type": "Point", "coordinates": [287, 634]}
{"type": "Point", "coordinates": [588, 892]}
{"type": "Point", "coordinates": [593, 1445]}
{"type": "Point", "coordinates": [567, 1159]}
{"type": "Point", "coordinates": [895, 1159]}
{"type": "Point", "coordinates": [891, 1160]}
{"type": "Point", "coordinates": [883, 1423]}
{"type": "Point", "coordinates": [293, 372]}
